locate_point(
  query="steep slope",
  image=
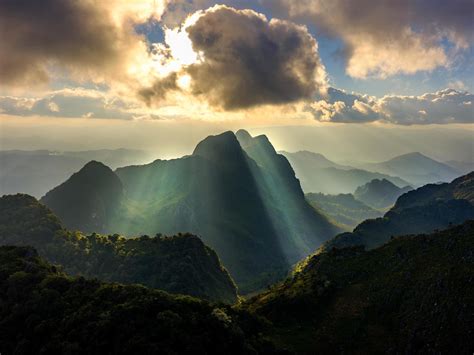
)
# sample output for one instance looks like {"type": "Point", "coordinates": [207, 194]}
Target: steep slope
{"type": "Point", "coordinates": [379, 193]}
{"type": "Point", "coordinates": [178, 264]}
{"type": "Point", "coordinates": [254, 215]}
{"type": "Point", "coordinates": [416, 168]}
{"type": "Point", "coordinates": [422, 210]}
{"type": "Point", "coordinates": [290, 212]}
{"type": "Point", "coordinates": [87, 201]}
{"type": "Point", "coordinates": [318, 174]}
{"type": "Point", "coordinates": [46, 312]}
{"type": "Point", "coordinates": [343, 208]}
{"type": "Point", "coordinates": [412, 295]}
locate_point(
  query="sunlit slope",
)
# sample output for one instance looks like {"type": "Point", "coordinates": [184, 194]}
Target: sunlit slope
{"type": "Point", "coordinates": [422, 210]}
{"type": "Point", "coordinates": [412, 295]}
{"type": "Point", "coordinates": [296, 220]}
{"type": "Point", "coordinates": [178, 264]}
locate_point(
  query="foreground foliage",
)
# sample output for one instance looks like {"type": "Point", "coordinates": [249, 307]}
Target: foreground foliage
{"type": "Point", "coordinates": [42, 311]}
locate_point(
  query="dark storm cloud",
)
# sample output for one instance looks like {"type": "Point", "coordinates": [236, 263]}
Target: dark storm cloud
{"type": "Point", "coordinates": [159, 90]}
{"type": "Point", "coordinates": [77, 34]}
{"type": "Point", "coordinates": [247, 61]}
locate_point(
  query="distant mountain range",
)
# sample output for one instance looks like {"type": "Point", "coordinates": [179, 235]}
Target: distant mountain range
{"type": "Point", "coordinates": [431, 207]}
{"type": "Point", "coordinates": [37, 172]}
{"type": "Point", "coordinates": [416, 168]}
{"type": "Point", "coordinates": [241, 198]}
{"type": "Point", "coordinates": [318, 174]}
{"type": "Point", "coordinates": [379, 194]}
{"type": "Point", "coordinates": [178, 264]}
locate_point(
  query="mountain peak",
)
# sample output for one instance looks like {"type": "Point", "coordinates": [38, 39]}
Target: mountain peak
{"type": "Point", "coordinates": [243, 137]}
{"type": "Point", "coordinates": [412, 155]}
{"type": "Point", "coordinates": [219, 147]}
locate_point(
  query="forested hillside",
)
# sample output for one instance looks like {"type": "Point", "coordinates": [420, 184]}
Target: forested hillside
{"type": "Point", "coordinates": [178, 264]}
{"type": "Point", "coordinates": [412, 295]}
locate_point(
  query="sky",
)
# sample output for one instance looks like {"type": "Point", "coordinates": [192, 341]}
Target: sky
{"type": "Point", "coordinates": [188, 64]}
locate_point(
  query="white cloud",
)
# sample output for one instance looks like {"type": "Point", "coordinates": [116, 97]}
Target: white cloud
{"type": "Point", "coordinates": [442, 107]}
{"type": "Point", "coordinates": [385, 37]}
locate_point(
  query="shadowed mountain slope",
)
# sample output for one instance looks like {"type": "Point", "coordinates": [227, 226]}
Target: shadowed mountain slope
{"type": "Point", "coordinates": [379, 193]}
{"type": "Point", "coordinates": [343, 208]}
{"type": "Point", "coordinates": [88, 199]}
{"type": "Point", "coordinates": [422, 210]}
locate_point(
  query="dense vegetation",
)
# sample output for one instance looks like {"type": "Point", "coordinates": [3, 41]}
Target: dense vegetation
{"type": "Point", "coordinates": [43, 311]}
{"type": "Point", "coordinates": [380, 193]}
{"type": "Point", "coordinates": [344, 209]}
{"type": "Point", "coordinates": [245, 204]}
{"type": "Point", "coordinates": [422, 210]}
{"type": "Point", "coordinates": [178, 264]}
{"type": "Point", "coordinates": [413, 295]}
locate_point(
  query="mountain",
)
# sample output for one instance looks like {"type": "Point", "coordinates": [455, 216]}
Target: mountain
{"type": "Point", "coordinates": [315, 160]}
{"type": "Point", "coordinates": [36, 172]}
{"type": "Point", "coordinates": [178, 264]}
{"type": "Point", "coordinates": [318, 174]}
{"type": "Point", "coordinates": [253, 214]}
{"type": "Point", "coordinates": [344, 209]}
{"type": "Point", "coordinates": [464, 167]}
{"type": "Point", "coordinates": [411, 296]}
{"type": "Point", "coordinates": [45, 311]}
{"type": "Point", "coordinates": [379, 193]}
{"type": "Point", "coordinates": [422, 210]}
{"type": "Point", "coordinates": [416, 168]}
{"type": "Point", "coordinates": [88, 199]}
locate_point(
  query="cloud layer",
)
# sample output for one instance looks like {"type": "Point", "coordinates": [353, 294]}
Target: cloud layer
{"type": "Point", "coordinates": [442, 107]}
{"type": "Point", "coordinates": [386, 37]}
{"type": "Point", "coordinates": [70, 104]}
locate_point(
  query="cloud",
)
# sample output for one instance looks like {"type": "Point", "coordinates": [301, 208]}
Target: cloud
{"type": "Point", "coordinates": [69, 103]}
{"type": "Point", "coordinates": [386, 37]}
{"type": "Point", "coordinates": [244, 60]}
{"type": "Point", "coordinates": [442, 107]}
{"type": "Point", "coordinates": [90, 39]}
